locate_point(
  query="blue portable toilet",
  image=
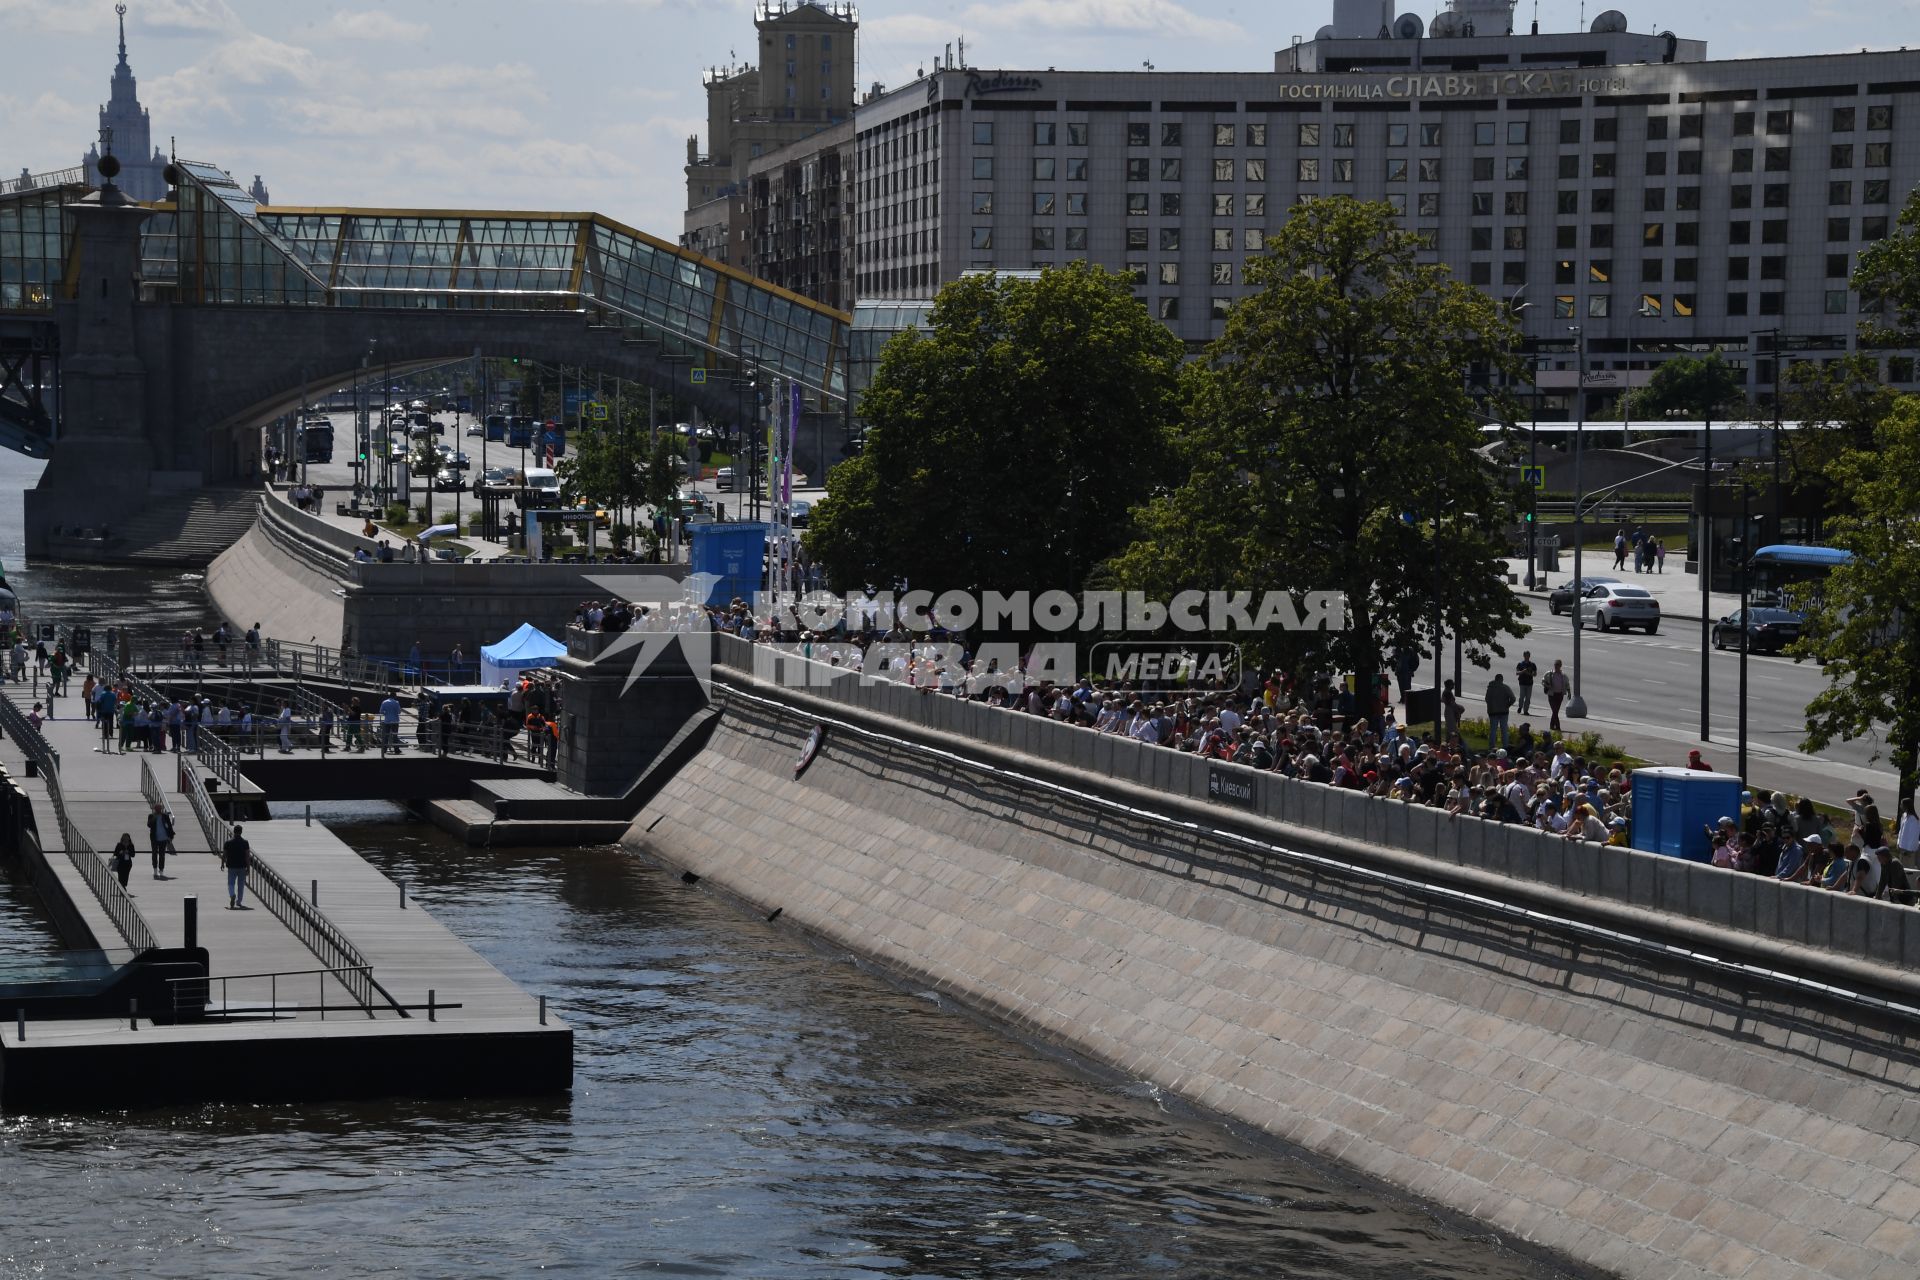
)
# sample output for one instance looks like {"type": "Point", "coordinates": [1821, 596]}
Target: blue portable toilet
{"type": "Point", "coordinates": [733, 556]}
{"type": "Point", "coordinates": [1674, 810]}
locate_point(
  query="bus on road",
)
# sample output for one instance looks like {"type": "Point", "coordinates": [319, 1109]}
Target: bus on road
{"type": "Point", "coordinates": [316, 442]}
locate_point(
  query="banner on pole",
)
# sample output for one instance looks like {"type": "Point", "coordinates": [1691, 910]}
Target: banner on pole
{"type": "Point", "coordinates": [793, 438]}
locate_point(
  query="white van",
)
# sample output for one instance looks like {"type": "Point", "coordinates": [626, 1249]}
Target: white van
{"type": "Point", "coordinates": [542, 485]}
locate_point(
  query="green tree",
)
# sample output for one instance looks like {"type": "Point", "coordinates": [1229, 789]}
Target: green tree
{"type": "Point", "coordinates": [1332, 443]}
{"type": "Point", "coordinates": [1863, 628]}
{"type": "Point", "coordinates": [1005, 448]}
{"type": "Point", "coordinates": [1838, 405]}
{"type": "Point", "coordinates": [1699, 386]}
{"type": "Point", "coordinates": [1888, 282]}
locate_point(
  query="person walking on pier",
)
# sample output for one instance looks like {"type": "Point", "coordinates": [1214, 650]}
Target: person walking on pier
{"type": "Point", "coordinates": [326, 728]}
{"type": "Point", "coordinates": [159, 838]}
{"type": "Point", "coordinates": [236, 856]}
{"type": "Point", "coordinates": [1556, 687]}
{"type": "Point", "coordinates": [285, 720]}
{"type": "Point", "coordinates": [389, 724]}
{"type": "Point", "coordinates": [123, 857]}
{"type": "Point", "coordinates": [253, 646]}
{"type": "Point", "coordinates": [350, 732]}
{"type": "Point", "coordinates": [220, 639]}
{"type": "Point", "coordinates": [17, 661]}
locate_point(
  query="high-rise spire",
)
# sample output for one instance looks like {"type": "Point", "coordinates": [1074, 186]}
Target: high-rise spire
{"type": "Point", "coordinates": [121, 10]}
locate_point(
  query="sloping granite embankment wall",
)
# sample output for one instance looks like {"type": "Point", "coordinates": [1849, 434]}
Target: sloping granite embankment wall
{"type": "Point", "coordinates": [1585, 1088]}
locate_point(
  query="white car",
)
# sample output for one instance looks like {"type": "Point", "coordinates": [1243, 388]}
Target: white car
{"type": "Point", "coordinates": [1616, 604]}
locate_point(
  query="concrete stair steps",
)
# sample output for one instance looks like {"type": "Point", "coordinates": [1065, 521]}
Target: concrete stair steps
{"type": "Point", "coordinates": [187, 528]}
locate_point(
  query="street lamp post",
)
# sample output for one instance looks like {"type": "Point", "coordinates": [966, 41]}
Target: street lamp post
{"type": "Point", "coordinates": [1742, 550]}
{"type": "Point", "coordinates": [1704, 560]}
{"type": "Point", "coordinates": [1577, 704]}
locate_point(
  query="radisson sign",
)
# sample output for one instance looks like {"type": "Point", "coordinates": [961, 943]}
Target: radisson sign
{"type": "Point", "coordinates": [1452, 84]}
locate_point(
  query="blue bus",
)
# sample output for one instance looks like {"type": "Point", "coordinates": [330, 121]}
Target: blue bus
{"type": "Point", "coordinates": [1793, 576]}
{"type": "Point", "coordinates": [496, 427]}
{"type": "Point", "coordinates": [520, 432]}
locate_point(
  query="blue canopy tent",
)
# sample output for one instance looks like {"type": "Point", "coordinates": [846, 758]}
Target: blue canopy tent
{"type": "Point", "coordinates": [525, 649]}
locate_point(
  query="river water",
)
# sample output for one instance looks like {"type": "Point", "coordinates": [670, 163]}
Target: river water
{"type": "Point", "coordinates": [745, 1105]}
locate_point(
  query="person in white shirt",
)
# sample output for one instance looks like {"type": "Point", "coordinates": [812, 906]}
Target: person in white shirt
{"type": "Point", "coordinates": [1908, 838]}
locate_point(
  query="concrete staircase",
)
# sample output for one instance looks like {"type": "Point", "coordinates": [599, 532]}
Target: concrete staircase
{"type": "Point", "coordinates": [181, 528]}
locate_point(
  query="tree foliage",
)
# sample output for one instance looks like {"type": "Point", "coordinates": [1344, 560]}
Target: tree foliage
{"type": "Point", "coordinates": [1838, 405]}
{"type": "Point", "coordinates": [1333, 443]}
{"type": "Point", "coordinates": [1698, 386]}
{"type": "Point", "coordinates": [1888, 282]}
{"type": "Point", "coordinates": [1864, 628]}
{"type": "Point", "coordinates": [1005, 448]}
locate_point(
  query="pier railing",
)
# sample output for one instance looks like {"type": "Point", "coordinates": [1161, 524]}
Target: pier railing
{"type": "Point", "coordinates": [126, 917]}
{"type": "Point", "coordinates": [302, 919]}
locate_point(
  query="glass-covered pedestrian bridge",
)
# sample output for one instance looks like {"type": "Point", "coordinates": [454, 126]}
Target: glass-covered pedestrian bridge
{"type": "Point", "coordinates": [214, 244]}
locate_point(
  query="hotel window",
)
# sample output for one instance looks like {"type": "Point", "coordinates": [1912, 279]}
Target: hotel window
{"type": "Point", "coordinates": [1076, 168]}
{"type": "Point", "coordinates": [1773, 267]}
{"type": "Point", "coordinates": [1569, 163]}
{"type": "Point", "coordinates": [1169, 308]}
{"type": "Point", "coordinates": [1169, 204]}
{"type": "Point", "coordinates": [1076, 135]}
{"type": "Point", "coordinates": [1692, 126]}
{"type": "Point", "coordinates": [1256, 135]}
{"type": "Point", "coordinates": [1840, 156]}
{"type": "Point", "coordinates": [1430, 170]}
{"type": "Point", "coordinates": [1739, 233]}
{"type": "Point", "coordinates": [1043, 204]}
{"type": "Point", "coordinates": [1136, 273]}
{"type": "Point", "coordinates": [1603, 165]}
{"type": "Point", "coordinates": [1606, 129]}
{"type": "Point", "coordinates": [1256, 170]}
{"type": "Point", "coordinates": [1779, 159]}
{"type": "Point", "coordinates": [1343, 170]}
{"type": "Point", "coordinates": [1743, 160]}
{"type": "Point", "coordinates": [1077, 204]}
{"type": "Point", "coordinates": [1653, 234]}
{"type": "Point", "coordinates": [1566, 237]}
{"type": "Point", "coordinates": [1874, 191]}
{"type": "Point", "coordinates": [1839, 193]}
{"type": "Point", "coordinates": [1043, 133]}
{"type": "Point", "coordinates": [983, 202]}
{"type": "Point", "coordinates": [1563, 271]}
{"type": "Point", "coordinates": [1343, 135]}
{"type": "Point", "coordinates": [1483, 168]}
{"type": "Point", "coordinates": [1779, 122]}
{"type": "Point", "coordinates": [1739, 268]}
{"type": "Point", "coordinates": [1563, 306]}
{"type": "Point", "coordinates": [1600, 236]}
{"type": "Point", "coordinates": [1223, 239]}
{"type": "Point", "coordinates": [1656, 128]}
{"type": "Point", "coordinates": [1309, 135]}
{"type": "Point", "coordinates": [1687, 199]}
{"type": "Point", "coordinates": [1223, 273]}
{"type": "Point", "coordinates": [1136, 239]}
{"type": "Point", "coordinates": [1396, 135]}
{"type": "Point", "coordinates": [1513, 273]}
{"type": "Point", "coordinates": [1139, 134]}
{"type": "Point", "coordinates": [1899, 368]}
{"type": "Point", "coordinates": [1480, 274]}
{"type": "Point", "coordinates": [1773, 231]}
{"type": "Point", "coordinates": [1516, 168]}
{"type": "Point", "coordinates": [1837, 266]}
{"type": "Point", "coordinates": [1652, 271]}
{"type": "Point", "coordinates": [1429, 204]}
{"type": "Point", "coordinates": [1257, 206]}
{"type": "Point", "coordinates": [1600, 271]}
{"type": "Point", "coordinates": [1043, 237]}
{"type": "Point", "coordinates": [1430, 135]}
{"type": "Point", "coordinates": [983, 237]}
{"type": "Point", "coordinates": [1654, 199]}
{"type": "Point", "coordinates": [1515, 238]}
{"type": "Point", "coordinates": [1396, 170]}
{"type": "Point", "coordinates": [1686, 233]}
{"type": "Point", "coordinates": [1689, 164]}
{"type": "Point", "coordinates": [1254, 240]}
{"type": "Point", "coordinates": [983, 168]}
{"type": "Point", "coordinates": [1170, 135]}
{"type": "Point", "coordinates": [1518, 131]}
{"type": "Point", "coordinates": [1309, 169]}
{"type": "Point", "coordinates": [1683, 304]}
{"type": "Point", "coordinates": [1567, 202]}
{"type": "Point", "coordinates": [1170, 239]}
{"type": "Point", "coordinates": [1221, 307]}
{"type": "Point", "coordinates": [1043, 168]}
{"type": "Point", "coordinates": [983, 133]}
{"type": "Point", "coordinates": [1879, 117]}
{"type": "Point", "coordinates": [1516, 204]}
{"type": "Point", "coordinates": [1839, 230]}
{"type": "Point", "coordinates": [1137, 170]}
{"type": "Point", "coordinates": [1736, 304]}
{"type": "Point", "coordinates": [1223, 206]}
{"type": "Point", "coordinates": [1485, 132]}
{"type": "Point", "coordinates": [1843, 118]}
{"type": "Point", "coordinates": [1570, 132]}
{"type": "Point", "coordinates": [1740, 197]}
{"type": "Point", "coordinates": [1743, 124]}
{"type": "Point", "coordinates": [1656, 164]}
{"type": "Point", "coordinates": [1170, 169]}
{"type": "Point", "coordinates": [1879, 155]}
{"type": "Point", "coordinates": [1136, 204]}
{"type": "Point", "coordinates": [1397, 201]}
{"type": "Point", "coordinates": [1772, 304]}
{"type": "Point", "coordinates": [1481, 240]}
{"type": "Point", "coordinates": [1223, 169]}
{"type": "Point", "coordinates": [1223, 135]}
{"type": "Point", "coordinates": [1169, 273]}
{"type": "Point", "coordinates": [1599, 306]}
{"type": "Point", "coordinates": [1482, 204]}
{"type": "Point", "coordinates": [1872, 229]}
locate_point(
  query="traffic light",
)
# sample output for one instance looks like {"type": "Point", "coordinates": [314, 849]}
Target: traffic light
{"type": "Point", "coordinates": [1528, 518]}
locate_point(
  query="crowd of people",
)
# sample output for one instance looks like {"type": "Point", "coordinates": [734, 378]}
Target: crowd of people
{"type": "Point", "coordinates": [1315, 728]}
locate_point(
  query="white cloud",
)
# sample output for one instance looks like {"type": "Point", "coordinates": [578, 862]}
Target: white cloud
{"type": "Point", "coordinates": [183, 17]}
{"type": "Point", "coordinates": [1098, 18]}
{"type": "Point", "coordinates": [50, 19]}
{"type": "Point", "coordinates": [371, 24]}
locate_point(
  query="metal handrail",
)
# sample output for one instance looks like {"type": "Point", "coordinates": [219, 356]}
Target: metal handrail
{"type": "Point", "coordinates": [219, 756]}
{"type": "Point", "coordinates": [304, 920]}
{"type": "Point", "coordinates": [113, 898]}
{"type": "Point", "coordinates": [185, 989]}
{"type": "Point", "coordinates": [74, 177]}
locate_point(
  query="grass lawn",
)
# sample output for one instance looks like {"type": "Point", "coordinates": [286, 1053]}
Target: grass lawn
{"type": "Point", "coordinates": [1589, 745]}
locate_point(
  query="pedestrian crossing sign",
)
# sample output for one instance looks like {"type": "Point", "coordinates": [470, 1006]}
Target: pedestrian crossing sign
{"type": "Point", "coordinates": [1535, 477]}
{"type": "Point", "coordinates": [699, 377]}
{"type": "Point", "coordinates": [597, 410]}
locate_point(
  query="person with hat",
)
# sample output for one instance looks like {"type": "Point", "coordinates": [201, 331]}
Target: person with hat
{"type": "Point", "coordinates": [1695, 762]}
{"type": "Point", "coordinates": [1796, 860]}
{"type": "Point", "coordinates": [1865, 812]}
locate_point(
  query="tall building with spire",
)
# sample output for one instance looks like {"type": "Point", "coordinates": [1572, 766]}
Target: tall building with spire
{"type": "Point", "coordinates": [128, 133]}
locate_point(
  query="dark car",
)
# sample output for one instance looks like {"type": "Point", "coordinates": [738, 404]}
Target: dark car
{"type": "Point", "coordinates": [1768, 630]}
{"type": "Point", "coordinates": [1560, 599]}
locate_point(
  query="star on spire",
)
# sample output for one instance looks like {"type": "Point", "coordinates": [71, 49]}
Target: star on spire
{"type": "Point", "coordinates": [121, 10]}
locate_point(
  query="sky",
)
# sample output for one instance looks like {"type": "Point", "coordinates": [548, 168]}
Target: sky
{"type": "Point", "coordinates": [577, 105]}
